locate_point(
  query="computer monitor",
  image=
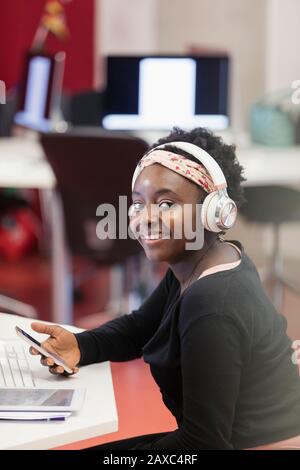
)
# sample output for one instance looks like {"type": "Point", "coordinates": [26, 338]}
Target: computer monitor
{"type": "Point", "coordinates": [158, 92]}
{"type": "Point", "coordinates": [41, 87]}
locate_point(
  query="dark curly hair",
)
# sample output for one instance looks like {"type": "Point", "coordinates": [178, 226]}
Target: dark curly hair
{"type": "Point", "coordinates": [223, 154]}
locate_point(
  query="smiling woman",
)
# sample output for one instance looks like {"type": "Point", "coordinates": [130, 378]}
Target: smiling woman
{"type": "Point", "coordinates": [216, 346]}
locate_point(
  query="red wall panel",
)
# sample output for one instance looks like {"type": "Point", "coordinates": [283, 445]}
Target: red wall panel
{"type": "Point", "coordinates": [18, 22]}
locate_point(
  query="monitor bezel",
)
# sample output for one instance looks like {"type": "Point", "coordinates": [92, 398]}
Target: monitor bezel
{"type": "Point", "coordinates": [193, 55]}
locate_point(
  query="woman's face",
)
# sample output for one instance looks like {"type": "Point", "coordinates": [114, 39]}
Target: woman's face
{"type": "Point", "coordinates": [159, 200]}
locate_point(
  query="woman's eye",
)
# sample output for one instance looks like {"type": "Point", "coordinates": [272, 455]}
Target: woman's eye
{"type": "Point", "coordinates": [135, 209]}
{"type": "Point", "coordinates": [137, 206]}
{"type": "Point", "coordinates": [165, 205]}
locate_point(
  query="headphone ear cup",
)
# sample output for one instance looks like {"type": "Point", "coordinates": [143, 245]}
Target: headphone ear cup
{"type": "Point", "coordinates": [208, 213]}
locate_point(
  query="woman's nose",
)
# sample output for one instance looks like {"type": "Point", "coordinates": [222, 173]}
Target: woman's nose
{"type": "Point", "coordinates": [149, 215]}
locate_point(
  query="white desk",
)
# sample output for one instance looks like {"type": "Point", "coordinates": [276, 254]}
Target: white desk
{"type": "Point", "coordinates": [97, 417]}
{"type": "Point", "coordinates": [270, 165]}
{"type": "Point", "coordinates": [23, 165]}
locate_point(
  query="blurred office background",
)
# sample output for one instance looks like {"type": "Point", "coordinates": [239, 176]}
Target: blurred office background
{"type": "Point", "coordinates": [259, 41]}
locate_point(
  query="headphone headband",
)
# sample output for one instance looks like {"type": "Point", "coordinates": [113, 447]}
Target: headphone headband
{"type": "Point", "coordinates": [207, 160]}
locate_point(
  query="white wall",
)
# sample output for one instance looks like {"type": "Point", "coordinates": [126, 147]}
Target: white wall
{"type": "Point", "coordinates": [128, 26]}
{"type": "Point", "coordinates": [282, 43]}
{"type": "Point", "coordinates": [123, 27]}
{"type": "Point", "coordinates": [232, 25]}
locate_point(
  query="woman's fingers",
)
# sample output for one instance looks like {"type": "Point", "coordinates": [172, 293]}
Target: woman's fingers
{"type": "Point", "coordinates": [33, 351]}
{"type": "Point", "coordinates": [56, 370]}
{"type": "Point", "coordinates": [43, 361]}
{"type": "Point", "coordinates": [47, 361]}
{"type": "Point", "coordinates": [50, 363]}
{"type": "Point", "coordinates": [59, 370]}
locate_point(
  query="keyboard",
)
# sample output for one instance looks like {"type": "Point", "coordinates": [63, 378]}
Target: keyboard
{"type": "Point", "coordinates": [14, 366]}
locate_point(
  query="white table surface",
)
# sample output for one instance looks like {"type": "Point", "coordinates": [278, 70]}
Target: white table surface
{"type": "Point", "coordinates": [97, 417]}
{"type": "Point", "coordinates": [270, 165]}
{"type": "Point", "coordinates": [23, 165]}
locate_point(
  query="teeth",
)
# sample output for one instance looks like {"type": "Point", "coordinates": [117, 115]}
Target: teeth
{"type": "Point", "coordinates": [151, 237]}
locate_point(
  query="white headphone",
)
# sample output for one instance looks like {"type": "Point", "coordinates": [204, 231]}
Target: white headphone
{"type": "Point", "coordinates": [219, 211]}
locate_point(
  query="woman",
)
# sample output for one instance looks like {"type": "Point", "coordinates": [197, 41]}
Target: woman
{"type": "Point", "coordinates": [216, 346]}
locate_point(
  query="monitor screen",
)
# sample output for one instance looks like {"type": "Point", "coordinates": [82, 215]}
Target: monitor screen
{"type": "Point", "coordinates": [158, 92]}
{"type": "Point", "coordinates": [40, 91]}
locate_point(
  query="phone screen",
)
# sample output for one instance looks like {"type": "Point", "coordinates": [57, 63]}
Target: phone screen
{"type": "Point", "coordinates": [30, 337]}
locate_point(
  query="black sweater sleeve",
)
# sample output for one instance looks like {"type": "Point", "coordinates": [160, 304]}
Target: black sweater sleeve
{"type": "Point", "coordinates": [211, 367]}
{"type": "Point", "coordinates": [122, 339]}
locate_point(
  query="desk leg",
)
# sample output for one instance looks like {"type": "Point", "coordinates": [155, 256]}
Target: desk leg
{"type": "Point", "coordinates": [62, 282]}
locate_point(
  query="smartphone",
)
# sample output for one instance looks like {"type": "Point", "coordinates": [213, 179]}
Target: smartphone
{"type": "Point", "coordinates": [37, 345]}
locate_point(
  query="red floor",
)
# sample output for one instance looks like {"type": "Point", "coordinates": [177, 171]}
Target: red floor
{"type": "Point", "coordinates": [140, 408]}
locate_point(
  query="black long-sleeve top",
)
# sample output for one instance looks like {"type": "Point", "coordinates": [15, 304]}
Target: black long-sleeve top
{"type": "Point", "coordinates": [219, 354]}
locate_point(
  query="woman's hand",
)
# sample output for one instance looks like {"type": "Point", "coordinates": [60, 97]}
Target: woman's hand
{"type": "Point", "coordinates": [61, 342]}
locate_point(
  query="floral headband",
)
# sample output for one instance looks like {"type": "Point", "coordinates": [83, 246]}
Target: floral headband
{"type": "Point", "coordinates": [178, 163]}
